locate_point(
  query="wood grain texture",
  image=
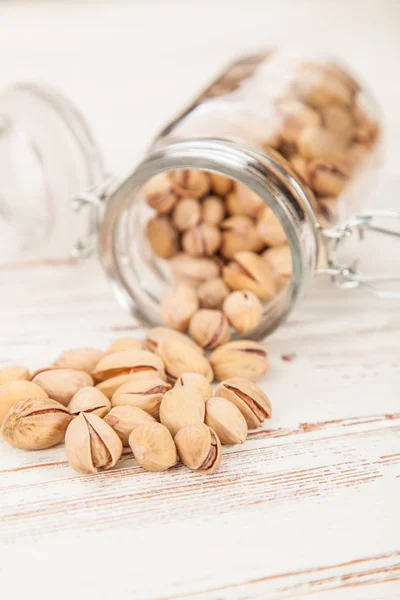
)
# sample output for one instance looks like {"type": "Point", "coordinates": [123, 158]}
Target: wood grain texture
{"type": "Point", "coordinates": [308, 506]}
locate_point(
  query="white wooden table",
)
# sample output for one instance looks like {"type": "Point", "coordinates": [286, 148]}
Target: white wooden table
{"type": "Point", "coordinates": [309, 506]}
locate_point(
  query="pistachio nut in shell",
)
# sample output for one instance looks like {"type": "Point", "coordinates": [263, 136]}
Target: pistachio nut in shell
{"type": "Point", "coordinates": [15, 391]}
{"type": "Point", "coordinates": [210, 328]}
{"type": "Point", "coordinates": [199, 448]}
{"type": "Point", "coordinates": [196, 381]}
{"type": "Point", "coordinates": [159, 193]}
{"type": "Point", "coordinates": [82, 359]}
{"type": "Point", "coordinates": [280, 259]}
{"type": "Point", "coordinates": [193, 270]}
{"type": "Point", "coordinates": [327, 178]}
{"type": "Point", "coordinates": [13, 373]}
{"type": "Point", "coordinates": [178, 306]}
{"type": "Point", "coordinates": [212, 210]}
{"type": "Point", "coordinates": [269, 228]}
{"type": "Point", "coordinates": [124, 343]}
{"type": "Point", "coordinates": [162, 236]}
{"type": "Point", "coordinates": [153, 447]}
{"type": "Point", "coordinates": [212, 293]}
{"type": "Point", "coordinates": [186, 214]}
{"type": "Point", "coordinates": [242, 358]}
{"type": "Point", "coordinates": [243, 201]}
{"type": "Point", "coordinates": [249, 399]}
{"type": "Point", "coordinates": [179, 357]}
{"type": "Point", "coordinates": [109, 386]}
{"type": "Point", "coordinates": [220, 184]}
{"type": "Point", "coordinates": [322, 144]}
{"type": "Point", "coordinates": [226, 420]}
{"type": "Point", "coordinates": [35, 424]}
{"type": "Point", "coordinates": [249, 271]}
{"type": "Point", "coordinates": [62, 384]}
{"type": "Point", "coordinates": [143, 393]}
{"type": "Point", "coordinates": [127, 361]}
{"type": "Point", "coordinates": [91, 444]}
{"type": "Point", "coordinates": [295, 117]}
{"type": "Point", "coordinates": [243, 310]}
{"type": "Point", "coordinates": [191, 183]}
{"type": "Point", "coordinates": [156, 335]}
{"type": "Point", "coordinates": [180, 407]}
{"type": "Point", "coordinates": [239, 233]}
{"type": "Point", "coordinates": [124, 419]}
{"type": "Point", "coordinates": [202, 240]}
{"type": "Point", "coordinates": [89, 399]}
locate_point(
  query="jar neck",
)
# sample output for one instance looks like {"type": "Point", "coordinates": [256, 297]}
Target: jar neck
{"type": "Point", "coordinates": [266, 174]}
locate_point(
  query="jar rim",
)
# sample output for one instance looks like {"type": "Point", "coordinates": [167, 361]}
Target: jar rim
{"type": "Point", "coordinates": [262, 172]}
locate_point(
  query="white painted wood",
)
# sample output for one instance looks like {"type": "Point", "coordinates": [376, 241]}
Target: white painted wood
{"type": "Point", "coordinates": [308, 507]}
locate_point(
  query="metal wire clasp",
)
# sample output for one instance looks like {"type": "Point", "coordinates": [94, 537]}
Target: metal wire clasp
{"type": "Point", "coordinates": [347, 275]}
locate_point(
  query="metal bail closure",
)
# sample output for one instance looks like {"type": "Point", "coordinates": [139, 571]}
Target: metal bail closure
{"type": "Point", "coordinates": [347, 274]}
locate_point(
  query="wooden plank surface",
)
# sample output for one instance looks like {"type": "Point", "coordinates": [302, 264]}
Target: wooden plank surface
{"type": "Point", "coordinates": [308, 507]}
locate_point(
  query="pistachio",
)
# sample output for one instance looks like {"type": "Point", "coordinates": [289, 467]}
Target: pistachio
{"type": "Point", "coordinates": [124, 343]}
{"type": "Point", "coordinates": [240, 233]}
{"type": "Point", "coordinates": [35, 424]}
{"type": "Point", "coordinates": [249, 399]}
{"type": "Point", "coordinates": [327, 178]}
{"type": "Point", "coordinates": [203, 240]}
{"type": "Point", "coordinates": [162, 236]}
{"type": "Point", "coordinates": [178, 306]}
{"type": "Point", "coordinates": [209, 328]}
{"type": "Point", "coordinates": [249, 271]}
{"type": "Point", "coordinates": [213, 210]}
{"type": "Point", "coordinates": [153, 447]}
{"type": "Point", "coordinates": [182, 406]}
{"type": "Point", "coordinates": [15, 391]}
{"type": "Point", "coordinates": [339, 119]}
{"type": "Point", "coordinates": [124, 419]}
{"type": "Point", "coordinates": [356, 154]}
{"type": "Point", "coordinates": [159, 193]}
{"type": "Point", "coordinates": [243, 201]}
{"type": "Point", "coordinates": [295, 117]}
{"type": "Point", "coordinates": [300, 165]}
{"type": "Point", "coordinates": [195, 381]}
{"type": "Point", "coordinates": [179, 358]}
{"type": "Point", "coordinates": [243, 310]}
{"type": "Point", "coordinates": [186, 214]}
{"type": "Point", "coordinates": [91, 444]}
{"type": "Point", "coordinates": [220, 184]}
{"type": "Point", "coordinates": [62, 384]}
{"type": "Point", "coordinates": [89, 399]}
{"type": "Point", "coordinates": [81, 359]}
{"type": "Point", "coordinates": [242, 358]}
{"type": "Point", "coordinates": [212, 293]}
{"type": "Point", "coordinates": [319, 86]}
{"type": "Point", "coordinates": [191, 182]}
{"type": "Point", "coordinates": [193, 271]}
{"type": "Point", "coordinates": [367, 130]}
{"type": "Point", "coordinates": [199, 448]}
{"type": "Point", "coordinates": [226, 420]}
{"type": "Point", "coordinates": [280, 259]}
{"type": "Point", "coordinates": [321, 144]}
{"type": "Point", "coordinates": [143, 393]}
{"type": "Point", "coordinates": [156, 335]}
{"type": "Point", "coordinates": [13, 373]}
{"type": "Point", "coordinates": [270, 229]}
{"type": "Point", "coordinates": [128, 361]}
{"type": "Point", "coordinates": [109, 386]}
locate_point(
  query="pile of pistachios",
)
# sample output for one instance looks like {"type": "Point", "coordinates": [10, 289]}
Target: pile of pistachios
{"type": "Point", "coordinates": [153, 396]}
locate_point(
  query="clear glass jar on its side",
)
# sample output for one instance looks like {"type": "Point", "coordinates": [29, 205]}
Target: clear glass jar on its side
{"type": "Point", "coordinates": [288, 146]}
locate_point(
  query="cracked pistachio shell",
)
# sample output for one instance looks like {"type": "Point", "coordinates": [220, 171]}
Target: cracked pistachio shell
{"type": "Point", "coordinates": [199, 448]}
{"type": "Point", "coordinates": [243, 310]}
{"type": "Point", "coordinates": [327, 178]}
{"type": "Point", "coordinates": [191, 183]}
{"type": "Point", "coordinates": [243, 358]}
{"type": "Point", "coordinates": [162, 236]}
{"type": "Point", "coordinates": [193, 270]}
{"type": "Point", "coordinates": [243, 201]}
{"type": "Point", "coordinates": [143, 393]}
{"type": "Point", "coordinates": [15, 391]}
{"type": "Point", "coordinates": [124, 343]}
{"type": "Point", "coordinates": [186, 214]}
{"type": "Point", "coordinates": [213, 210]}
{"type": "Point", "coordinates": [62, 384]}
{"type": "Point", "coordinates": [226, 420]}
{"type": "Point", "coordinates": [202, 240]}
{"type": "Point", "coordinates": [220, 184]}
{"type": "Point", "coordinates": [35, 424]}
{"type": "Point", "coordinates": [240, 233]}
{"type": "Point", "coordinates": [180, 407]}
{"type": "Point", "coordinates": [195, 381]}
{"type": "Point", "coordinates": [109, 386]}
{"type": "Point", "coordinates": [250, 271]}
{"type": "Point", "coordinates": [81, 359]}
{"type": "Point", "coordinates": [249, 399]}
{"type": "Point", "coordinates": [127, 361]}
{"type": "Point", "coordinates": [269, 228]}
{"type": "Point", "coordinates": [178, 306]}
{"type": "Point", "coordinates": [153, 447]}
{"type": "Point", "coordinates": [124, 419]}
{"type": "Point", "coordinates": [212, 293]}
{"type": "Point", "coordinates": [156, 335]}
{"type": "Point", "coordinates": [159, 193]}
{"type": "Point", "coordinates": [280, 259]}
{"type": "Point", "coordinates": [209, 328]}
{"type": "Point", "coordinates": [91, 444]}
{"type": "Point", "coordinates": [179, 358]}
{"type": "Point", "coordinates": [13, 373]}
{"type": "Point", "coordinates": [89, 399]}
